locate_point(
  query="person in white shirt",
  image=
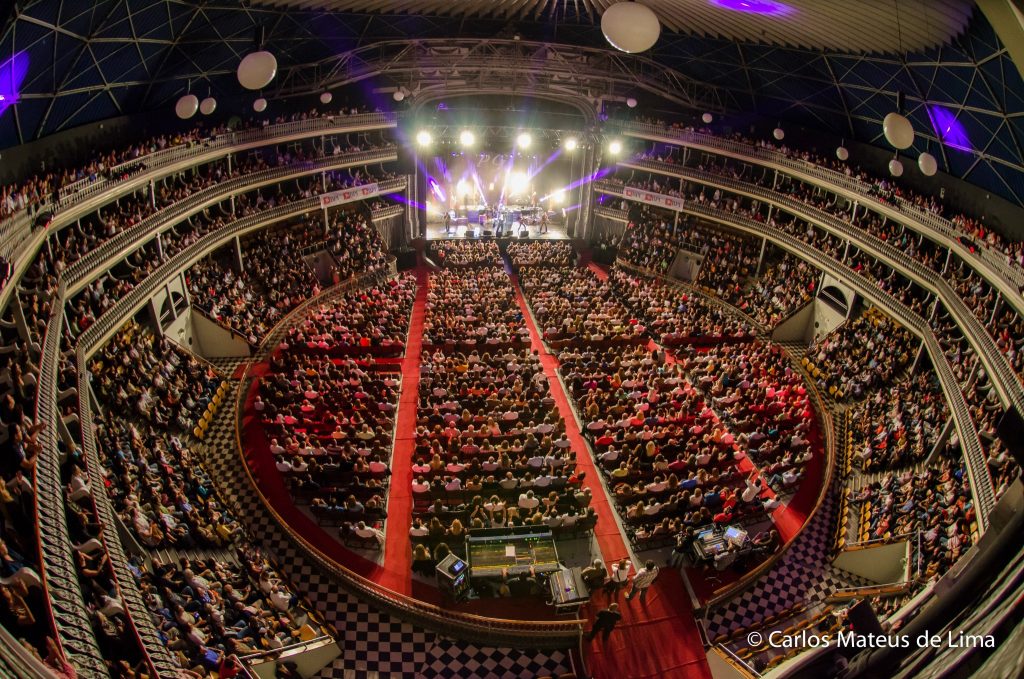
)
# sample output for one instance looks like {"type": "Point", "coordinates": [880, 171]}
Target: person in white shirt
{"type": "Point", "coordinates": [509, 482]}
{"type": "Point", "coordinates": [418, 530]}
{"type": "Point", "coordinates": [283, 465]}
{"type": "Point", "coordinates": [528, 502]}
{"type": "Point", "coordinates": [751, 492]}
{"type": "Point", "coordinates": [454, 467]}
{"type": "Point", "coordinates": [619, 576]}
{"type": "Point", "coordinates": [420, 485]}
{"type": "Point", "coordinates": [366, 532]}
{"type": "Point", "coordinates": [642, 581]}
{"type": "Point", "coordinates": [453, 484]}
{"type": "Point", "coordinates": [376, 466]}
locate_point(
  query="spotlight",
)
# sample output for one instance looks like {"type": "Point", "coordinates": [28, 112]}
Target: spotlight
{"type": "Point", "coordinates": [571, 144]}
{"type": "Point", "coordinates": [524, 140]}
{"type": "Point", "coordinates": [615, 147]}
{"type": "Point", "coordinates": [558, 197]}
{"type": "Point", "coordinates": [462, 188]}
{"type": "Point", "coordinates": [423, 138]}
{"type": "Point", "coordinates": [467, 138]}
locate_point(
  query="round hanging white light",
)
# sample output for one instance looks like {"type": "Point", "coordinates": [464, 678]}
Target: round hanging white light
{"type": "Point", "coordinates": [898, 130]}
{"type": "Point", "coordinates": [208, 106]}
{"type": "Point", "coordinates": [927, 164]}
{"type": "Point", "coordinates": [399, 95]}
{"type": "Point", "coordinates": [187, 106]}
{"type": "Point", "coordinates": [326, 98]}
{"type": "Point", "coordinates": [257, 69]}
{"type": "Point", "coordinates": [779, 133]}
{"type": "Point", "coordinates": [895, 167]}
{"type": "Point", "coordinates": [630, 27]}
{"type": "Point", "coordinates": [260, 105]}
{"type": "Point", "coordinates": [631, 102]}
{"type": "Point", "coordinates": [842, 153]}
{"type": "Point", "coordinates": [707, 118]}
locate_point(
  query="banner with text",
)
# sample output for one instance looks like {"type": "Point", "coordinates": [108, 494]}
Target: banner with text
{"type": "Point", "coordinates": [348, 195]}
{"type": "Point", "coordinates": [661, 200]}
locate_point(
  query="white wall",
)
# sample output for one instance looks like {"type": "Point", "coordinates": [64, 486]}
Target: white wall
{"type": "Point", "coordinates": [203, 337]}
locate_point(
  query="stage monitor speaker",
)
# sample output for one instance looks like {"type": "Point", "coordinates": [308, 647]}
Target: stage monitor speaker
{"type": "Point", "coordinates": [1011, 431]}
{"type": "Point", "coordinates": [524, 233]}
{"type": "Point", "coordinates": [487, 233]}
{"type": "Point", "coordinates": [863, 618]}
{"type": "Point", "coordinates": [470, 233]}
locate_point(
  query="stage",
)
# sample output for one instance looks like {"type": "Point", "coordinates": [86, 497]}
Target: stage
{"type": "Point", "coordinates": [435, 231]}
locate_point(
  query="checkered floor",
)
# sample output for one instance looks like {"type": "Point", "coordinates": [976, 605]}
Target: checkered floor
{"type": "Point", "coordinates": [804, 573]}
{"type": "Point", "coordinates": [374, 644]}
{"type": "Point", "coordinates": [227, 364]}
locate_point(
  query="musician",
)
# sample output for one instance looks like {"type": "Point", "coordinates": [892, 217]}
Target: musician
{"type": "Point", "coordinates": [544, 222]}
{"type": "Point", "coordinates": [447, 223]}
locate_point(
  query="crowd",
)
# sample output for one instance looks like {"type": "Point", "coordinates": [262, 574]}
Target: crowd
{"type": "Point", "coordinates": [898, 425]}
{"type": "Point", "coordinates": [762, 401]}
{"type": "Point", "coordinates": [670, 463]}
{"type": "Point", "coordinates": [863, 354]}
{"type": "Point", "coordinates": [330, 425]}
{"type": "Point", "coordinates": [932, 506]}
{"type": "Point", "coordinates": [782, 288]}
{"type": "Point", "coordinates": [674, 316]}
{"type": "Point", "coordinates": [275, 278]}
{"type": "Point", "coordinates": [491, 450]}
{"type": "Point", "coordinates": [575, 305]}
{"type": "Point", "coordinates": [153, 395]}
{"type": "Point", "coordinates": [470, 307]}
{"type": "Point", "coordinates": [32, 192]}
{"type": "Point", "coordinates": [208, 610]}
{"type": "Point", "coordinates": [649, 240]}
{"type": "Point", "coordinates": [466, 252]}
{"type": "Point", "coordinates": [555, 253]}
{"type": "Point", "coordinates": [372, 320]}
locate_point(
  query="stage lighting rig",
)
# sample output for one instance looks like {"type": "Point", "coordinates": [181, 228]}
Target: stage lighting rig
{"type": "Point", "coordinates": [524, 140]}
{"type": "Point", "coordinates": [467, 138]}
{"type": "Point", "coordinates": [424, 138]}
{"type": "Point", "coordinates": [571, 144]}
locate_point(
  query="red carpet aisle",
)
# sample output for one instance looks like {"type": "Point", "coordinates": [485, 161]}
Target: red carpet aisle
{"type": "Point", "coordinates": [607, 531]}
{"type": "Point", "coordinates": [397, 574]}
{"type": "Point", "coordinates": [659, 639]}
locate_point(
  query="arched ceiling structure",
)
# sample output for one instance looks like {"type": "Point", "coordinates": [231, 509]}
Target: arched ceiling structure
{"type": "Point", "coordinates": [832, 65]}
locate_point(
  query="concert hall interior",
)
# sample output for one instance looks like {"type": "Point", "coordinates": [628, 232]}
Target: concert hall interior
{"type": "Point", "coordinates": [534, 339]}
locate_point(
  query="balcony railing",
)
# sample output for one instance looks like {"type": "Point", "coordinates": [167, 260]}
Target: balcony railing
{"type": "Point", "coordinates": [58, 571]}
{"type": "Point", "coordinates": [992, 265]}
{"type": "Point", "coordinates": [19, 241]}
{"type": "Point", "coordinates": [83, 271]}
{"type": "Point", "coordinates": [1007, 383]}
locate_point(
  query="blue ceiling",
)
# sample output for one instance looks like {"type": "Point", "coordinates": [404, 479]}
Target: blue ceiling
{"type": "Point", "coordinates": [92, 60]}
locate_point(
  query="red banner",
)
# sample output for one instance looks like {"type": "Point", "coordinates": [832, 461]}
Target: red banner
{"type": "Point", "coordinates": [348, 195]}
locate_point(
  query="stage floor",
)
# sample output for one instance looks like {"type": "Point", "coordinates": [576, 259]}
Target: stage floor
{"type": "Point", "coordinates": [436, 232]}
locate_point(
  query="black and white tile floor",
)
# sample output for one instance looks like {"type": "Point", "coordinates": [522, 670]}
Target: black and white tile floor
{"type": "Point", "coordinates": [374, 644]}
{"type": "Point", "coordinates": [804, 573]}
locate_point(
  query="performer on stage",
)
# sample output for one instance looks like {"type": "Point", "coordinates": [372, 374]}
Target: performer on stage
{"type": "Point", "coordinates": [447, 223]}
{"type": "Point", "coordinates": [543, 222]}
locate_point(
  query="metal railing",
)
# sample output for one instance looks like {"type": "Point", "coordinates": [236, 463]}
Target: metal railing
{"type": "Point", "coordinates": [1007, 383]}
{"type": "Point", "coordinates": [59, 573]}
{"type": "Point", "coordinates": [19, 241]}
{"type": "Point", "coordinates": [982, 487]}
{"type": "Point", "coordinates": [81, 272]}
{"type": "Point", "coordinates": [1004, 276]}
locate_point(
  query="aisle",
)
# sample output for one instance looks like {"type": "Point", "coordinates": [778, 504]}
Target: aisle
{"type": "Point", "coordinates": [658, 638]}
{"type": "Point", "coordinates": [609, 539]}
{"type": "Point", "coordinates": [397, 570]}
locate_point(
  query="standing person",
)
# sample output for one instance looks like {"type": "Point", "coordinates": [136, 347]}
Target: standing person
{"type": "Point", "coordinates": [447, 222]}
{"type": "Point", "coordinates": [619, 576]}
{"type": "Point", "coordinates": [604, 622]}
{"type": "Point", "coordinates": [642, 581]}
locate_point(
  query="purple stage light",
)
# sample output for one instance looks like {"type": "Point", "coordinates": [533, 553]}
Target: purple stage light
{"type": "Point", "coordinates": [763, 7]}
{"type": "Point", "coordinates": [950, 130]}
{"type": "Point", "coordinates": [12, 74]}
{"type": "Point", "coordinates": [436, 189]}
